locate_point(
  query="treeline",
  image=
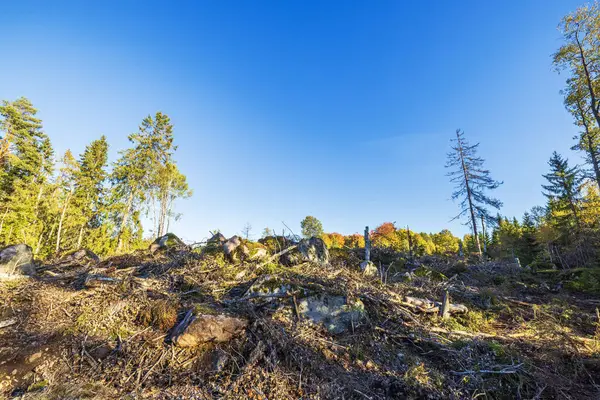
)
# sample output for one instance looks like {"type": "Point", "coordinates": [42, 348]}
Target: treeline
{"type": "Point", "coordinates": [84, 202]}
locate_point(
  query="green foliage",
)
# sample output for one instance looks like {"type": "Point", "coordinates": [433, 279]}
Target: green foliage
{"type": "Point", "coordinates": [311, 227]}
{"type": "Point", "coordinates": [80, 206]}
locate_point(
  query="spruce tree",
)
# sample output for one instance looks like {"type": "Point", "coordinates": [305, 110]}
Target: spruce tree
{"type": "Point", "coordinates": [471, 182]}
{"type": "Point", "coordinates": [90, 189]}
{"type": "Point", "coordinates": [563, 193]}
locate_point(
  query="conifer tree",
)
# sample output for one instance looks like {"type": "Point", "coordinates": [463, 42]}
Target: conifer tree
{"type": "Point", "coordinates": [471, 182]}
{"type": "Point", "coordinates": [90, 188]}
{"type": "Point", "coordinates": [563, 193]}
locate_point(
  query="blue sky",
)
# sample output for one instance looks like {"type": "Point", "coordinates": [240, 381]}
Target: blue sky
{"type": "Point", "coordinates": [338, 109]}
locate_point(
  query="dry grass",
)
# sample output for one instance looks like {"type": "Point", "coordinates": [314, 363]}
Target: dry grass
{"type": "Point", "coordinates": [112, 341]}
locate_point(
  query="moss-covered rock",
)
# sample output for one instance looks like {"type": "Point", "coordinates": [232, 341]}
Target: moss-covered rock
{"type": "Point", "coordinates": [166, 242]}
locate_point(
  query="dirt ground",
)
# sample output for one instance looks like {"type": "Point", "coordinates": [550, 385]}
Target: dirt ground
{"type": "Point", "coordinates": [71, 336]}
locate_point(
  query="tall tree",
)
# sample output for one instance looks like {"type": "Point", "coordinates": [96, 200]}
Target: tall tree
{"type": "Point", "coordinates": [564, 192]}
{"type": "Point", "coordinates": [311, 227]}
{"type": "Point", "coordinates": [90, 187]}
{"type": "Point", "coordinates": [471, 182]}
{"type": "Point", "coordinates": [66, 185]}
{"type": "Point", "coordinates": [579, 56]}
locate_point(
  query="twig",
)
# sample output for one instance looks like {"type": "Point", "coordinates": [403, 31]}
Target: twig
{"type": "Point", "coordinates": [509, 369]}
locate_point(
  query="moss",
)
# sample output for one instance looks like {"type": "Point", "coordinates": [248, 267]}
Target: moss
{"type": "Point", "coordinates": [458, 268]}
{"type": "Point", "coordinates": [434, 275]}
{"type": "Point", "coordinates": [38, 386]}
{"type": "Point", "coordinates": [204, 309]}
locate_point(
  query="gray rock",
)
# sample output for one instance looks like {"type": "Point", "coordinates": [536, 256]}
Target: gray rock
{"type": "Point", "coordinates": [168, 241]}
{"type": "Point", "coordinates": [17, 260]}
{"type": "Point", "coordinates": [235, 249]}
{"type": "Point", "coordinates": [311, 250]}
{"type": "Point", "coordinates": [368, 268]}
{"type": "Point", "coordinates": [269, 287]}
{"type": "Point", "coordinates": [334, 312]}
{"type": "Point", "coordinates": [81, 256]}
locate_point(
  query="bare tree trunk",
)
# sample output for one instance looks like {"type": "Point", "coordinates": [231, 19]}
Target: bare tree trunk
{"type": "Point", "coordinates": [471, 208]}
{"type": "Point", "coordinates": [484, 236]}
{"type": "Point", "coordinates": [591, 148]}
{"type": "Point", "coordinates": [80, 236]}
{"type": "Point", "coordinates": [584, 62]}
{"type": "Point", "coordinates": [62, 218]}
{"type": "Point", "coordinates": [410, 247]}
{"type": "Point", "coordinates": [124, 221]}
{"type": "Point", "coordinates": [2, 221]}
{"type": "Point", "coordinates": [367, 245]}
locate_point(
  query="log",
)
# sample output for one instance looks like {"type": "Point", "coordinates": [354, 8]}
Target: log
{"type": "Point", "coordinates": [430, 307]}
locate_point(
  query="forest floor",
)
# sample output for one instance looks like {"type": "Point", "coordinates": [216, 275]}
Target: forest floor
{"type": "Point", "coordinates": [65, 336]}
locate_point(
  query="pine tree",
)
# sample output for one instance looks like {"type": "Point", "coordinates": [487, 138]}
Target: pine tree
{"type": "Point", "coordinates": [563, 193]}
{"type": "Point", "coordinates": [471, 182]}
{"type": "Point", "coordinates": [90, 190]}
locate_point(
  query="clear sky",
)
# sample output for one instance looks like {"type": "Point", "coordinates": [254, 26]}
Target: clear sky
{"type": "Point", "coordinates": [338, 109]}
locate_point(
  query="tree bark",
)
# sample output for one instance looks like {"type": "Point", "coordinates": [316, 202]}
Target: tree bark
{"type": "Point", "coordinates": [592, 151]}
{"type": "Point", "coordinates": [124, 221]}
{"type": "Point", "coordinates": [62, 218]}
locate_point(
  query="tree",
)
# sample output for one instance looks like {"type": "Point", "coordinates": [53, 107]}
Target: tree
{"type": "Point", "coordinates": [471, 182]}
{"type": "Point", "coordinates": [26, 167]}
{"type": "Point", "coordinates": [147, 170]}
{"type": "Point", "coordinates": [445, 242]}
{"type": "Point", "coordinates": [66, 183]}
{"type": "Point", "coordinates": [579, 56]}
{"type": "Point", "coordinates": [90, 189]}
{"type": "Point", "coordinates": [246, 230]}
{"type": "Point", "coordinates": [311, 227]}
{"type": "Point", "coordinates": [563, 192]}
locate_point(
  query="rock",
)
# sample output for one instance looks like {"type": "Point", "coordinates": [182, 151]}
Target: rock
{"type": "Point", "coordinates": [168, 241]}
{"type": "Point", "coordinates": [258, 251]}
{"type": "Point", "coordinates": [96, 280]}
{"type": "Point", "coordinates": [17, 260]}
{"type": "Point", "coordinates": [334, 312]}
{"type": "Point", "coordinates": [81, 256]}
{"type": "Point", "coordinates": [214, 244]}
{"type": "Point", "coordinates": [368, 268]}
{"type": "Point", "coordinates": [311, 250]}
{"type": "Point", "coordinates": [269, 287]}
{"type": "Point", "coordinates": [235, 249]}
{"type": "Point", "coordinates": [206, 328]}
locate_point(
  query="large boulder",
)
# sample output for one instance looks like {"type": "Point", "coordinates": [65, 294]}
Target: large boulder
{"type": "Point", "coordinates": [336, 313]}
{"type": "Point", "coordinates": [166, 242]}
{"type": "Point", "coordinates": [311, 250]}
{"type": "Point", "coordinates": [205, 328]}
{"type": "Point", "coordinates": [235, 249]}
{"type": "Point", "coordinates": [215, 244]}
{"type": "Point", "coordinates": [17, 260]}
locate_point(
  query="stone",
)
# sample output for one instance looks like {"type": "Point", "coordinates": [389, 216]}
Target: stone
{"type": "Point", "coordinates": [257, 251]}
{"type": "Point", "coordinates": [165, 242]}
{"type": "Point", "coordinates": [334, 312]}
{"type": "Point", "coordinates": [269, 287]}
{"type": "Point", "coordinates": [206, 328]}
{"type": "Point", "coordinates": [17, 260]}
{"type": "Point", "coordinates": [235, 249]}
{"type": "Point", "coordinates": [368, 268]}
{"type": "Point", "coordinates": [81, 256]}
{"type": "Point", "coordinates": [308, 250]}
